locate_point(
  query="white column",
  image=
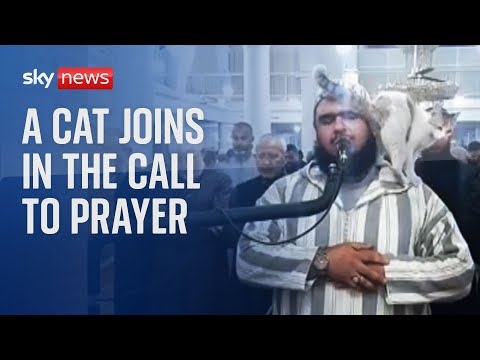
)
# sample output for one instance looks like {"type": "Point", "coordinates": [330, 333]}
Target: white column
{"type": "Point", "coordinates": [179, 66]}
{"type": "Point", "coordinates": [256, 84]}
{"type": "Point", "coordinates": [133, 80]}
{"type": "Point", "coordinates": [350, 71]}
{"type": "Point", "coordinates": [224, 130]}
{"type": "Point", "coordinates": [133, 84]}
{"type": "Point", "coordinates": [222, 53]}
{"type": "Point", "coordinates": [309, 91]}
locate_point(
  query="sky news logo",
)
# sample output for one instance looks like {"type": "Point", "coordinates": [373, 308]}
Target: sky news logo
{"type": "Point", "coordinates": [73, 78]}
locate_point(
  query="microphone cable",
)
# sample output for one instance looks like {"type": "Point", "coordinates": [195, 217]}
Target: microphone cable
{"type": "Point", "coordinates": [293, 239]}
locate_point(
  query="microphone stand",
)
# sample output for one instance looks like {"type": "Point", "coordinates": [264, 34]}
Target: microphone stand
{"type": "Point", "coordinates": [272, 212]}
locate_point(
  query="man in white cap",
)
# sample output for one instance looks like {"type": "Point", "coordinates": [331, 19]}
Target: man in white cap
{"type": "Point", "coordinates": [383, 248]}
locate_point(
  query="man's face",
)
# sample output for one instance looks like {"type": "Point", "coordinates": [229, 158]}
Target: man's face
{"type": "Point", "coordinates": [292, 161]}
{"type": "Point", "coordinates": [242, 139]}
{"type": "Point", "coordinates": [270, 160]}
{"type": "Point", "coordinates": [292, 157]}
{"type": "Point", "coordinates": [474, 157]}
{"type": "Point", "coordinates": [334, 121]}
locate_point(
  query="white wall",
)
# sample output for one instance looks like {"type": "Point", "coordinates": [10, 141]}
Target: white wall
{"type": "Point", "coordinates": [284, 58]}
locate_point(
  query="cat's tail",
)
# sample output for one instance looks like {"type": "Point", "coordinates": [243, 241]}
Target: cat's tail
{"type": "Point", "coordinates": [321, 78]}
{"type": "Point", "coordinates": [382, 107]}
{"type": "Point", "coordinates": [380, 111]}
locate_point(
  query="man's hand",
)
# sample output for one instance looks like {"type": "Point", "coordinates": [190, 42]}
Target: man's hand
{"type": "Point", "coordinates": [356, 265]}
{"type": "Point", "coordinates": [380, 269]}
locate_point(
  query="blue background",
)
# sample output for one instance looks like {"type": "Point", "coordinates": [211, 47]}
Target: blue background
{"type": "Point", "coordinates": [49, 274]}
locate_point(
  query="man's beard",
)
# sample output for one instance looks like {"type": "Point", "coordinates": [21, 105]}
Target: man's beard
{"type": "Point", "coordinates": [358, 164]}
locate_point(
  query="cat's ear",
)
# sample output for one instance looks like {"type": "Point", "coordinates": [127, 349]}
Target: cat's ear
{"type": "Point", "coordinates": [454, 118]}
{"type": "Point", "coordinates": [439, 107]}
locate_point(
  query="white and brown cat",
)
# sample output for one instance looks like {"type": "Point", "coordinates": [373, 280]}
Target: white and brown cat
{"type": "Point", "coordinates": [403, 129]}
{"type": "Point", "coordinates": [406, 129]}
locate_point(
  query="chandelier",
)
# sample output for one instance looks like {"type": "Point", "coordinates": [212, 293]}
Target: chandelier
{"type": "Point", "coordinates": [422, 88]}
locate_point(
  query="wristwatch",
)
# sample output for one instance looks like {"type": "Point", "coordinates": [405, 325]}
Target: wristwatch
{"type": "Point", "coordinates": [320, 262]}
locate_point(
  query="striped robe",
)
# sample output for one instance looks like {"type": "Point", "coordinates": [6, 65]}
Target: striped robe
{"type": "Point", "coordinates": [430, 260]}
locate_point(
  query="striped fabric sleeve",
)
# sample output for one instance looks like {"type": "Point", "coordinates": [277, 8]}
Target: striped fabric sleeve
{"type": "Point", "coordinates": [441, 268]}
{"type": "Point", "coordinates": [279, 266]}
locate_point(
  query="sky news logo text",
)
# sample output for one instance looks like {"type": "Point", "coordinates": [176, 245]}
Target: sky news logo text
{"type": "Point", "coordinates": [72, 78]}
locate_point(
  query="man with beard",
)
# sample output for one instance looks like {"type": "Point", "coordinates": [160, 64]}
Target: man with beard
{"type": "Point", "coordinates": [383, 248]}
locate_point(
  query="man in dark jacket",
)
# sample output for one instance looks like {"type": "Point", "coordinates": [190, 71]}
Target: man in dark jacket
{"type": "Point", "coordinates": [451, 180]}
{"type": "Point", "coordinates": [176, 274]}
{"type": "Point", "coordinates": [270, 162]}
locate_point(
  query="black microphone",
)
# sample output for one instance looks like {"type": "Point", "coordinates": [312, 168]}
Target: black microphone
{"type": "Point", "coordinates": [344, 147]}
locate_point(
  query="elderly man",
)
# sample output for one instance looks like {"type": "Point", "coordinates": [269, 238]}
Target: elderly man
{"type": "Point", "coordinates": [270, 161]}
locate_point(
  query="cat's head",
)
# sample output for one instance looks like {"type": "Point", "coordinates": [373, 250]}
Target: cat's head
{"type": "Point", "coordinates": [442, 122]}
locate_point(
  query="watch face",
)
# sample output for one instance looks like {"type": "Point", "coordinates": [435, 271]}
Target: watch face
{"type": "Point", "coordinates": [321, 262]}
